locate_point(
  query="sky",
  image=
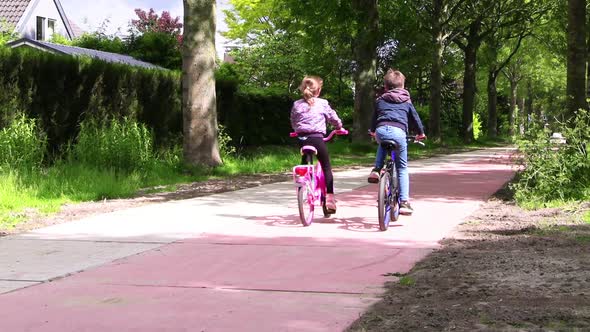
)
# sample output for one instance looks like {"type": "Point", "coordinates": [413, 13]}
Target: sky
{"type": "Point", "coordinates": [89, 15]}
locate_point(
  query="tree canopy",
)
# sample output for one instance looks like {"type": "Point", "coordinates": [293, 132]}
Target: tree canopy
{"type": "Point", "coordinates": [493, 64]}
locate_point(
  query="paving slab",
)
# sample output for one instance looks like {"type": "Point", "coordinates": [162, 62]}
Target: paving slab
{"type": "Point", "coordinates": [74, 307]}
{"type": "Point", "coordinates": [294, 268]}
{"type": "Point", "coordinates": [11, 285]}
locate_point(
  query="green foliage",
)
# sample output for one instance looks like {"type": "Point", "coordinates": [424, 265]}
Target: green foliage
{"type": "Point", "coordinates": [101, 42]}
{"type": "Point", "coordinates": [285, 40]}
{"type": "Point", "coordinates": [22, 145]}
{"type": "Point", "coordinates": [61, 91]}
{"type": "Point", "coordinates": [476, 126]}
{"type": "Point", "coordinates": [224, 141]}
{"type": "Point", "coordinates": [116, 144]}
{"type": "Point", "coordinates": [407, 281]}
{"type": "Point", "coordinates": [159, 48]}
{"type": "Point", "coordinates": [256, 116]}
{"type": "Point", "coordinates": [7, 33]}
{"type": "Point", "coordinates": [554, 171]}
{"type": "Point", "coordinates": [56, 38]}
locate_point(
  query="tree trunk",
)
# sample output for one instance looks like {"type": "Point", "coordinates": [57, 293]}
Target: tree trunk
{"type": "Point", "coordinates": [469, 90]}
{"type": "Point", "coordinates": [512, 115]}
{"type": "Point", "coordinates": [587, 59]}
{"type": "Point", "coordinates": [434, 126]}
{"type": "Point", "coordinates": [492, 104]}
{"type": "Point", "coordinates": [576, 57]}
{"type": "Point", "coordinates": [198, 84]}
{"type": "Point", "coordinates": [365, 54]}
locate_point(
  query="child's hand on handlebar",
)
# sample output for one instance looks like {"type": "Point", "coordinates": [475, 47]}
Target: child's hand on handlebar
{"type": "Point", "coordinates": [341, 131]}
{"type": "Point", "coordinates": [420, 137]}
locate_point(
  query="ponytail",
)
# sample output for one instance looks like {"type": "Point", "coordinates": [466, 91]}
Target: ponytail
{"type": "Point", "coordinates": [310, 88]}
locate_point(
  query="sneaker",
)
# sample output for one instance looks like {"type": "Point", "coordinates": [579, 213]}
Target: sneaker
{"type": "Point", "coordinates": [374, 176]}
{"type": "Point", "coordinates": [405, 208]}
{"type": "Point", "coordinates": [330, 203]}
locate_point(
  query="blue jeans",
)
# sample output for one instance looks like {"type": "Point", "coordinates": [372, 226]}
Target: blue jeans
{"type": "Point", "coordinates": [390, 133]}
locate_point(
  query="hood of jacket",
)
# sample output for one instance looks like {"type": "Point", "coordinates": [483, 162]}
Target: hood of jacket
{"type": "Point", "coordinates": [397, 96]}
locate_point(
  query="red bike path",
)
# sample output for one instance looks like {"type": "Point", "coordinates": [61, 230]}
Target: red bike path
{"type": "Point", "coordinates": [248, 265]}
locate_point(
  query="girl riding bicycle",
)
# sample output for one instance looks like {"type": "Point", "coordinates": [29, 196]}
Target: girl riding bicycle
{"type": "Point", "coordinates": [308, 119]}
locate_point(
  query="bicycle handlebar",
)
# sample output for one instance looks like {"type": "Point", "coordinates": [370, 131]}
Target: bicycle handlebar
{"type": "Point", "coordinates": [414, 140]}
{"type": "Point", "coordinates": [410, 139]}
{"type": "Point", "coordinates": [340, 131]}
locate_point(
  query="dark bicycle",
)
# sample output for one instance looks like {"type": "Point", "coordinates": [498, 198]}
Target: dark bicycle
{"type": "Point", "coordinates": [388, 198]}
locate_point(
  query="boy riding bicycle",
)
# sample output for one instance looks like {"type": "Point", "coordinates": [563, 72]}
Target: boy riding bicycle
{"type": "Point", "coordinates": [393, 113]}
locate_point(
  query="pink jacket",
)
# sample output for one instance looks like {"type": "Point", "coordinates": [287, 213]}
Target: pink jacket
{"type": "Point", "coordinates": [312, 119]}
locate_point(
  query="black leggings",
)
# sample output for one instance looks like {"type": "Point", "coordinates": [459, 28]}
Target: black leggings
{"type": "Point", "coordinates": [323, 157]}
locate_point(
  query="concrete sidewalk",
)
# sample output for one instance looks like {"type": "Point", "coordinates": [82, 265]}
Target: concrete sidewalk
{"type": "Point", "coordinates": [238, 260]}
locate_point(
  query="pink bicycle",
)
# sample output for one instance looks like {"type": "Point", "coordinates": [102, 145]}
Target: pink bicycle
{"type": "Point", "coordinates": [310, 183]}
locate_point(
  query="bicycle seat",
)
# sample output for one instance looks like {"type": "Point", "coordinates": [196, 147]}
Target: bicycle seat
{"type": "Point", "coordinates": [389, 145]}
{"type": "Point", "coordinates": [309, 149]}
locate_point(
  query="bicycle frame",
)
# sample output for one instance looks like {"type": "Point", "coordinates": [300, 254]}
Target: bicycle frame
{"type": "Point", "coordinates": [310, 183]}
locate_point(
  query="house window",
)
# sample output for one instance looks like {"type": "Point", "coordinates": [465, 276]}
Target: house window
{"type": "Point", "coordinates": [50, 28]}
{"type": "Point", "coordinates": [40, 28]}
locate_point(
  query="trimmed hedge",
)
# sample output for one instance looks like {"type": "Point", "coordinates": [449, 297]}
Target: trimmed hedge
{"type": "Point", "coordinates": [61, 91]}
{"type": "Point", "coordinates": [253, 117]}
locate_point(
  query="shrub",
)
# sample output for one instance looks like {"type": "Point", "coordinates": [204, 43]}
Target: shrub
{"type": "Point", "coordinates": [555, 171]}
{"type": "Point", "coordinates": [225, 143]}
{"type": "Point", "coordinates": [477, 124]}
{"type": "Point", "coordinates": [22, 145]}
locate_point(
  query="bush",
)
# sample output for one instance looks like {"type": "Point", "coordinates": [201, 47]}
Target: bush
{"type": "Point", "coordinates": [22, 145]}
{"type": "Point", "coordinates": [159, 48]}
{"type": "Point", "coordinates": [555, 171]}
{"type": "Point", "coordinates": [100, 42]}
{"type": "Point", "coordinates": [117, 144]}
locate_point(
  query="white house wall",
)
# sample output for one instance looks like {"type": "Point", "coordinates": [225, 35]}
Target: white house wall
{"type": "Point", "coordinates": [45, 8]}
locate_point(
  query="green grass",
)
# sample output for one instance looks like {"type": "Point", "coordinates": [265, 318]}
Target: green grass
{"type": "Point", "coordinates": [25, 193]}
{"type": "Point", "coordinates": [407, 281]}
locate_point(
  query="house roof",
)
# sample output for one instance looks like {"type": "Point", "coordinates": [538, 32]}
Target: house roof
{"type": "Point", "coordinates": [13, 10]}
{"type": "Point", "coordinates": [76, 30]}
{"type": "Point", "coordinates": [79, 51]}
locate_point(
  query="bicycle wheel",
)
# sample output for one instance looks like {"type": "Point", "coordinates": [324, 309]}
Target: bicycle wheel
{"type": "Point", "coordinates": [383, 201]}
{"type": "Point", "coordinates": [306, 204]}
{"type": "Point", "coordinates": [395, 198]}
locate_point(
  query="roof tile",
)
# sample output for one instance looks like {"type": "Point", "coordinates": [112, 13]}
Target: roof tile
{"type": "Point", "coordinates": [12, 10]}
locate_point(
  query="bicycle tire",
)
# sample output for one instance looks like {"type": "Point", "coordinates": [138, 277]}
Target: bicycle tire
{"type": "Point", "coordinates": [306, 207]}
{"type": "Point", "coordinates": [383, 201]}
{"type": "Point", "coordinates": [395, 198]}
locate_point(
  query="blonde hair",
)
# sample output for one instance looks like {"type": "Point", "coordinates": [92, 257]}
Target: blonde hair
{"type": "Point", "coordinates": [310, 87]}
{"type": "Point", "coordinates": [394, 79]}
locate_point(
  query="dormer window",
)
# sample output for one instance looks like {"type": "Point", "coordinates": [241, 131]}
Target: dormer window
{"type": "Point", "coordinates": [40, 28]}
{"type": "Point", "coordinates": [50, 28]}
